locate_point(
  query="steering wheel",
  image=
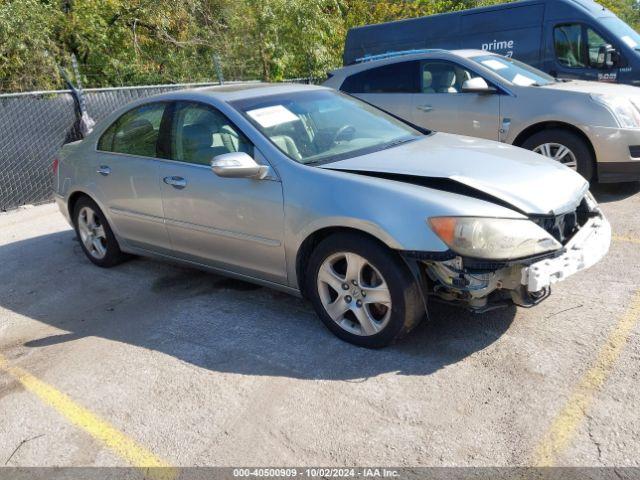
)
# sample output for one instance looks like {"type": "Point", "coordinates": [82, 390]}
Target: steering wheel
{"type": "Point", "coordinates": [345, 132]}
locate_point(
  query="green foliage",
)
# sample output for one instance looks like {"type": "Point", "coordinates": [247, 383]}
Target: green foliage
{"type": "Point", "coordinates": [27, 45]}
{"type": "Point", "coordinates": [126, 42]}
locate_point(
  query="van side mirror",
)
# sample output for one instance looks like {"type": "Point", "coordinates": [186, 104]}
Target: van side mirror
{"type": "Point", "coordinates": [607, 57]}
{"type": "Point", "coordinates": [477, 85]}
{"type": "Point", "coordinates": [237, 165]}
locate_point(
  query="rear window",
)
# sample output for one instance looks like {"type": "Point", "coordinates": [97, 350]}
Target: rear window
{"type": "Point", "coordinates": [136, 132]}
{"type": "Point", "coordinates": [403, 77]}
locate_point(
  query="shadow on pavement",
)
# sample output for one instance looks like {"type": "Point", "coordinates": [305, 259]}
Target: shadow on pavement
{"type": "Point", "coordinates": [213, 322]}
{"type": "Point", "coordinates": [613, 192]}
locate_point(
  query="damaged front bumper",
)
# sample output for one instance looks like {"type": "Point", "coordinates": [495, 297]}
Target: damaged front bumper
{"type": "Point", "coordinates": [482, 286]}
{"type": "Point", "coordinates": [584, 250]}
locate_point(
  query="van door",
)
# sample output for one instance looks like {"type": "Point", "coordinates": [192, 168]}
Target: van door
{"type": "Point", "coordinates": [578, 53]}
{"type": "Point", "coordinates": [441, 105]}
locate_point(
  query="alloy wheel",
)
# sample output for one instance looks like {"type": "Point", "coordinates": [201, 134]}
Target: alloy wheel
{"type": "Point", "coordinates": [92, 233]}
{"type": "Point", "coordinates": [559, 153]}
{"type": "Point", "coordinates": [354, 294]}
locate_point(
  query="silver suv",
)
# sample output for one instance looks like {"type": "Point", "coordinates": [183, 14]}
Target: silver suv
{"type": "Point", "coordinates": [591, 127]}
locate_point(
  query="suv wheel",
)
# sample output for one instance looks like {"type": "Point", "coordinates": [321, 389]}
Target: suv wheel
{"type": "Point", "coordinates": [565, 147]}
{"type": "Point", "coordinates": [96, 238]}
{"type": "Point", "coordinates": [362, 291]}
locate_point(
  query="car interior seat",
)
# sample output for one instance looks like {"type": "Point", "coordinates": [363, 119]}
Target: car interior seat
{"type": "Point", "coordinates": [197, 143]}
{"type": "Point", "coordinates": [427, 82]}
{"type": "Point", "coordinates": [287, 145]}
{"type": "Point", "coordinates": [440, 78]}
{"type": "Point", "coordinates": [136, 138]}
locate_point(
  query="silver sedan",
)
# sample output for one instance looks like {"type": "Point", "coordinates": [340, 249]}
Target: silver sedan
{"type": "Point", "coordinates": [315, 193]}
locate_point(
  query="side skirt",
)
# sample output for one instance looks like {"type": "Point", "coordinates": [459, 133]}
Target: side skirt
{"type": "Point", "coordinates": [207, 268]}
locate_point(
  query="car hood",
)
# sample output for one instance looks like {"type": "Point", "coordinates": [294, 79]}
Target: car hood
{"type": "Point", "coordinates": [601, 88]}
{"type": "Point", "coordinates": [492, 171]}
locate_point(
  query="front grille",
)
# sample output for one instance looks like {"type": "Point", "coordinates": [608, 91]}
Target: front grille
{"type": "Point", "coordinates": [564, 227]}
{"type": "Point", "coordinates": [634, 151]}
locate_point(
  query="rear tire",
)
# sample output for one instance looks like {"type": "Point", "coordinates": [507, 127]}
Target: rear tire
{"type": "Point", "coordinates": [551, 142]}
{"type": "Point", "coordinates": [362, 291]}
{"type": "Point", "coordinates": [95, 235]}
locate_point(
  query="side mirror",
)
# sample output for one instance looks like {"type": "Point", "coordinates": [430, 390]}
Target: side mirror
{"type": "Point", "coordinates": [607, 57]}
{"type": "Point", "coordinates": [477, 85]}
{"type": "Point", "coordinates": [237, 165]}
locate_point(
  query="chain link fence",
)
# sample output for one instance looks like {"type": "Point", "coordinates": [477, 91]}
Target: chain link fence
{"type": "Point", "coordinates": [35, 125]}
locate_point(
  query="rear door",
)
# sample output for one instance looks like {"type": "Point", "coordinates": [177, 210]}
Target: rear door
{"type": "Point", "coordinates": [389, 87]}
{"type": "Point", "coordinates": [126, 176]}
{"type": "Point", "coordinates": [441, 105]}
{"type": "Point", "coordinates": [235, 224]}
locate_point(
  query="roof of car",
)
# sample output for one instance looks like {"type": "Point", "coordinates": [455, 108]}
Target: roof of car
{"type": "Point", "coordinates": [393, 57]}
{"type": "Point", "coordinates": [238, 91]}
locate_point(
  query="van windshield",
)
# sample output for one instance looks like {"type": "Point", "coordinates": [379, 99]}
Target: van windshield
{"type": "Point", "coordinates": [514, 71]}
{"type": "Point", "coordinates": [622, 31]}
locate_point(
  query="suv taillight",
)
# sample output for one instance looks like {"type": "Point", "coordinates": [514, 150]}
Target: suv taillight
{"type": "Point", "coordinates": [54, 166]}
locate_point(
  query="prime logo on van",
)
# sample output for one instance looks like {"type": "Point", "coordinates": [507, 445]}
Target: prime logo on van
{"type": "Point", "coordinates": [500, 46]}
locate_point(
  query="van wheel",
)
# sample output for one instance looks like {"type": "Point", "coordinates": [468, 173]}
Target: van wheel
{"type": "Point", "coordinates": [96, 237]}
{"type": "Point", "coordinates": [362, 291]}
{"type": "Point", "coordinates": [565, 147]}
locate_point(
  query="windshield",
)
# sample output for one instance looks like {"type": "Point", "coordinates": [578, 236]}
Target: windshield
{"type": "Point", "coordinates": [514, 71]}
{"type": "Point", "coordinates": [622, 31]}
{"type": "Point", "coordinates": [322, 126]}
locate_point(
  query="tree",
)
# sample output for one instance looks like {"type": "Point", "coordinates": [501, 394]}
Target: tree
{"type": "Point", "coordinates": [128, 42]}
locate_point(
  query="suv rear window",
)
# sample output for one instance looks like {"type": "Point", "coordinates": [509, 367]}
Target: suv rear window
{"type": "Point", "coordinates": [403, 77]}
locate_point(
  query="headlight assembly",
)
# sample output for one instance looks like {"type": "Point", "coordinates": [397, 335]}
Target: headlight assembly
{"type": "Point", "coordinates": [625, 111]}
{"type": "Point", "coordinates": [493, 238]}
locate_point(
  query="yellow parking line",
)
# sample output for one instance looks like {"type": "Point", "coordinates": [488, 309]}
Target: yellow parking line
{"type": "Point", "coordinates": [623, 238]}
{"type": "Point", "coordinates": [565, 424]}
{"type": "Point", "coordinates": [127, 448]}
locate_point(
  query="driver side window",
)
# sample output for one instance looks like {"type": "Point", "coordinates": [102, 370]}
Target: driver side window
{"type": "Point", "coordinates": [200, 132]}
{"type": "Point", "coordinates": [444, 77]}
{"type": "Point", "coordinates": [594, 43]}
{"type": "Point", "coordinates": [578, 46]}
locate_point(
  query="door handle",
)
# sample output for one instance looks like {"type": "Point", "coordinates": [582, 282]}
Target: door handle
{"type": "Point", "coordinates": [175, 182]}
{"type": "Point", "coordinates": [425, 108]}
{"type": "Point", "coordinates": [103, 170]}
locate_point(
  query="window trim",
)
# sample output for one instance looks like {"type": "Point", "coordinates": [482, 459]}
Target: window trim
{"type": "Point", "coordinates": [172, 120]}
{"type": "Point", "coordinates": [168, 107]}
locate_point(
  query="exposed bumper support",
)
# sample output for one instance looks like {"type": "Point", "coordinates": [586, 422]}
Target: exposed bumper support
{"type": "Point", "coordinates": [584, 250]}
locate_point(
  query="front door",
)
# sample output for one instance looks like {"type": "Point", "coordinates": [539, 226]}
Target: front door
{"type": "Point", "coordinates": [442, 105]}
{"type": "Point", "coordinates": [578, 54]}
{"type": "Point", "coordinates": [234, 224]}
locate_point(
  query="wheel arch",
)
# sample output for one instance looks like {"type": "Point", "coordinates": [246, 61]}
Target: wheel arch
{"type": "Point", "coordinates": [76, 195]}
{"type": "Point", "coordinates": [549, 125]}
{"type": "Point", "coordinates": [73, 200]}
{"type": "Point", "coordinates": [312, 240]}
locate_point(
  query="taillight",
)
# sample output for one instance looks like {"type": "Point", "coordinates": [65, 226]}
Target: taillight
{"type": "Point", "coordinates": [54, 166]}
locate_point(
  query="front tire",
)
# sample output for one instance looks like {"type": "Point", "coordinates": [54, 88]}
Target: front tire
{"type": "Point", "coordinates": [95, 235]}
{"type": "Point", "coordinates": [362, 291]}
{"type": "Point", "coordinates": [565, 147]}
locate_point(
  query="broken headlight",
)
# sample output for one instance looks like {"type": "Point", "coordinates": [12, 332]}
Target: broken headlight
{"type": "Point", "coordinates": [493, 238]}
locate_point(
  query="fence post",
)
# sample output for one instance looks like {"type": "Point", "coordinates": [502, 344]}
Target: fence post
{"type": "Point", "coordinates": [218, 67]}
